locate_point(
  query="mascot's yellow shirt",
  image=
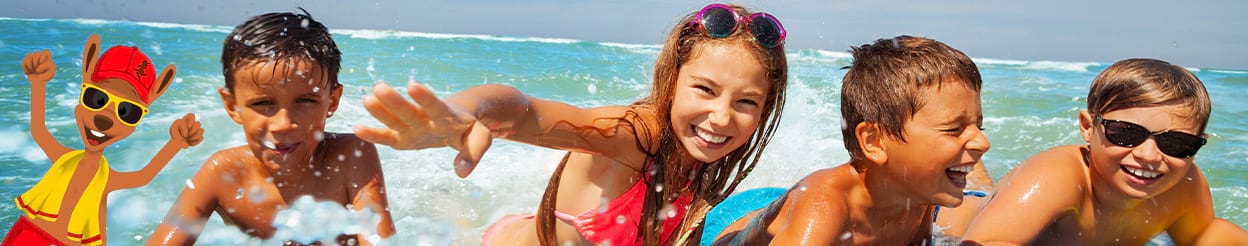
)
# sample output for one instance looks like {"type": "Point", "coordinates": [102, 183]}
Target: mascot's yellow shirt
{"type": "Point", "coordinates": [44, 200]}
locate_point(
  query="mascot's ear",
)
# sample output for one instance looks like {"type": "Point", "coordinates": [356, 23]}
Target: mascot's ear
{"type": "Point", "coordinates": [90, 53]}
{"type": "Point", "coordinates": [163, 81]}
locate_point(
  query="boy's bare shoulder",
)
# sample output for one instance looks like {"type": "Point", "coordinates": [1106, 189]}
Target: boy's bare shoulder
{"type": "Point", "coordinates": [233, 158]}
{"type": "Point", "coordinates": [1060, 170]}
{"type": "Point", "coordinates": [1065, 162]}
{"type": "Point", "coordinates": [825, 190]}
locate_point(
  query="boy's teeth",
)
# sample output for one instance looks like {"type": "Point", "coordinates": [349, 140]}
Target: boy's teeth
{"type": "Point", "coordinates": [1142, 173]}
{"type": "Point", "coordinates": [710, 137]}
{"type": "Point", "coordinates": [962, 168]}
{"type": "Point", "coordinates": [96, 133]}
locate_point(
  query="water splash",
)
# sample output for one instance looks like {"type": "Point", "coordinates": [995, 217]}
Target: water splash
{"type": "Point", "coordinates": [307, 221]}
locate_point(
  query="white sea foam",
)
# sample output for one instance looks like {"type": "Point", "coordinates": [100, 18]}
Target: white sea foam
{"type": "Point", "coordinates": [1226, 71]}
{"type": "Point", "coordinates": [387, 34]}
{"type": "Point", "coordinates": [835, 54]}
{"type": "Point", "coordinates": [192, 27]}
{"type": "Point", "coordinates": [647, 49]}
{"type": "Point", "coordinates": [307, 221]}
{"type": "Point", "coordinates": [1037, 65]}
{"type": "Point", "coordinates": [384, 34]}
{"type": "Point", "coordinates": [16, 142]}
{"type": "Point", "coordinates": [991, 61]}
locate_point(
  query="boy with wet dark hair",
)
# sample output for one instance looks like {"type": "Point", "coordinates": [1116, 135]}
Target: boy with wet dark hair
{"type": "Point", "coordinates": [281, 84]}
{"type": "Point", "coordinates": [912, 127]}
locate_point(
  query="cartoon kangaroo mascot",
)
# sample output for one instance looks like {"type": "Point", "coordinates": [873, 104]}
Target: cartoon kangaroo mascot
{"type": "Point", "coordinates": [67, 206]}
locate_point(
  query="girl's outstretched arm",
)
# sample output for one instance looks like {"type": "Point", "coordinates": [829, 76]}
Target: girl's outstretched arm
{"type": "Point", "coordinates": [469, 119]}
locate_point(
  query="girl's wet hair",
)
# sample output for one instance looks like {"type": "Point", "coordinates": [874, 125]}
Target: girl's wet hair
{"type": "Point", "coordinates": [1143, 82]}
{"type": "Point", "coordinates": [280, 37]}
{"type": "Point", "coordinates": [669, 164]}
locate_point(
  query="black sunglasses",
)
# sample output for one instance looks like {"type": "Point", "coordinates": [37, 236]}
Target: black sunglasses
{"type": "Point", "coordinates": [1172, 143]}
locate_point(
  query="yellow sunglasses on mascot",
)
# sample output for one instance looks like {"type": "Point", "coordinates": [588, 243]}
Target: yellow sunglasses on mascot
{"type": "Point", "coordinates": [95, 98]}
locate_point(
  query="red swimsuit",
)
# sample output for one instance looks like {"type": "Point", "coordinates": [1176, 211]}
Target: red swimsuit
{"type": "Point", "coordinates": [617, 225]}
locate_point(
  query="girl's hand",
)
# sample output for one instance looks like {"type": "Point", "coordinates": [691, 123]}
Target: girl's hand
{"type": "Point", "coordinates": [428, 123]}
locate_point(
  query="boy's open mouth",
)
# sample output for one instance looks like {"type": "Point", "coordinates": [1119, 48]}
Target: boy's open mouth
{"type": "Point", "coordinates": [957, 174]}
{"type": "Point", "coordinates": [1141, 176]}
{"type": "Point", "coordinates": [280, 149]}
{"type": "Point", "coordinates": [709, 139]}
{"type": "Point", "coordinates": [95, 137]}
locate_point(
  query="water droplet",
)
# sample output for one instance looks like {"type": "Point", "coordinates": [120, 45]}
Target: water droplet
{"type": "Point", "coordinates": [268, 180]}
{"type": "Point", "coordinates": [318, 135]}
{"type": "Point", "coordinates": [846, 236]}
{"type": "Point", "coordinates": [602, 205]}
{"type": "Point", "coordinates": [658, 188]}
{"type": "Point", "coordinates": [190, 184]}
{"type": "Point", "coordinates": [230, 210]}
{"type": "Point", "coordinates": [619, 219]}
{"type": "Point", "coordinates": [593, 89]}
{"type": "Point", "coordinates": [304, 23]}
{"type": "Point", "coordinates": [316, 89]}
{"type": "Point", "coordinates": [238, 194]}
{"type": "Point", "coordinates": [342, 157]}
{"type": "Point", "coordinates": [351, 241]}
{"type": "Point", "coordinates": [317, 173]}
{"type": "Point", "coordinates": [138, 237]}
{"type": "Point", "coordinates": [801, 188]}
{"type": "Point", "coordinates": [247, 43]}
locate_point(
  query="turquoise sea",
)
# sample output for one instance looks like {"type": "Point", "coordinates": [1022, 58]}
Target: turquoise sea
{"type": "Point", "coordinates": [1028, 106]}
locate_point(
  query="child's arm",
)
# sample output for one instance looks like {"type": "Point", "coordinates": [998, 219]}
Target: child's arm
{"type": "Point", "coordinates": [1221, 232]}
{"type": "Point", "coordinates": [183, 133]}
{"type": "Point", "coordinates": [39, 69]}
{"type": "Point", "coordinates": [1198, 225]}
{"type": "Point", "coordinates": [371, 194]}
{"type": "Point", "coordinates": [190, 212]}
{"type": "Point", "coordinates": [467, 120]}
{"type": "Point", "coordinates": [1037, 191]}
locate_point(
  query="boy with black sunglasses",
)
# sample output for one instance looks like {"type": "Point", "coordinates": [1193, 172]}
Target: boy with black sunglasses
{"type": "Point", "coordinates": [1135, 179]}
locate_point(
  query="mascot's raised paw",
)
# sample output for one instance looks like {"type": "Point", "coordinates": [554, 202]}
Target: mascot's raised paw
{"type": "Point", "coordinates": [186, 132]}
{"type": "Point", "coordinates": [38, 66]}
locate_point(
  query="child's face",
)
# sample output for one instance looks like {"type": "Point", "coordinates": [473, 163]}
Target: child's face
{"type": "Point", "coordinates": [943, 142]}
{"type": "Point", "coordinates": [1142, 171]}
{"type": "Point", "coordinates": [282, 107]}
{"type": "Point", "coordinates": [719, 99]}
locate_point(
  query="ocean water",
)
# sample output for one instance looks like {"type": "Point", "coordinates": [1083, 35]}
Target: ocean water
{"type": "Point", "coordinates": [1028, 106]}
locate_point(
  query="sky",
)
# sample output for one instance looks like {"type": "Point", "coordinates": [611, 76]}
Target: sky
{"type": "Point", "coordinates": [1200, 34]}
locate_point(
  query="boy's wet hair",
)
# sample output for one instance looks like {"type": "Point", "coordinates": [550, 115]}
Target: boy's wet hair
{"type": "Point", "coordinates": [883, 84]}
{"type": "Point", "coordinates": [280, 37]}
{"type": "Point", "coordinates": [1142, 82]}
